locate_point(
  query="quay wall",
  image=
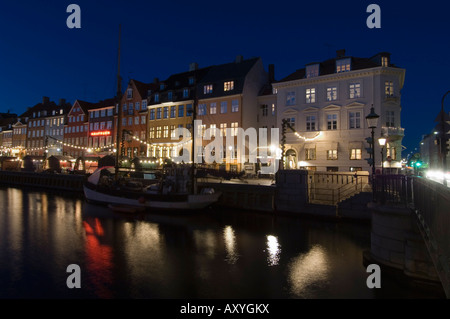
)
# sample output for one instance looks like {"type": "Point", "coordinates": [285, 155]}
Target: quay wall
{"type": "Point", "coordinates": [64, 182]}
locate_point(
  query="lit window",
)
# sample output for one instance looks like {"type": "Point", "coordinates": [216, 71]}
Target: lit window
{"type": "Point", "coordinates": [310, 153]}
{"type": "Point", "coordinates": [201, 109]}
{"type": "Point", "coordinates": [312, 70]}
{"type": "Point", "coordinates": [355, 154]}
{"type": "Point", "coordinates": [332, 155]}
{"type": "Point", "coordinates": [228, 86]}
{"type": "Point", "coordinates": [234, 128]}
{"type": "Point", "coordinates": [355, 90]}
{"type": "Point", "coordinates": [311, 95]}
{"type": "Point", "coordinates": [332, 93]}
{"type": "Point", "coordinates": [332, 121]}
{"type": "Point", "coordinates": [213, 108]}
{"type": "Point", "coordinates": [207, 89]}
{"type": "Point", "coordinates": [343, 65]}
{"type": "Point", "coordinates": [391, 151]}
{"type": "Point", "coordinates": [223, 129]}
{"type": "Point", "coordinates": [166, 131]}
{"type": "Point", "coordinates": [354, 119]}
{"type": "Point", "coordinates": [273, 109]}
{"type": "Point", "coordinates": [158, 132]}
{"type": "Point", "coordinates": [213, 129]}
{"type": "Point", "coordinates": [389, 88]}
{"type": "Point", "coordinates": [384, 61]}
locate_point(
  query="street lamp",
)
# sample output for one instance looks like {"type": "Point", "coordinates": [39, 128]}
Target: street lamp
{"type": "Point", "coordinates": [382, 142]}
{"type": "Point", "coordinates": [372, 123]}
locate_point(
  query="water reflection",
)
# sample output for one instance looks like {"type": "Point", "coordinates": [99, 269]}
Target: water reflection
{"type": "Point", "coordinates": [273, 250]}
{"type": "Point", "coordinates": [308, 269]}
{"type": "Point", "coordinates": [230, 245]}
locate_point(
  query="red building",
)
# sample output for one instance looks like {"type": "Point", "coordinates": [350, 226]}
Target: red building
{"type": "Point", "coordinates": [76, 129]}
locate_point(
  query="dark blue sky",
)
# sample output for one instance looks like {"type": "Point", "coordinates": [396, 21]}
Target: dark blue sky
{"type": "Point", "coordinates": [40, 56]}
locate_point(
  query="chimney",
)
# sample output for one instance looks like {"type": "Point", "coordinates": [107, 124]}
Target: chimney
{"type": "Point", "coordinates": [340, 53]}
{"type": "Point", "coordinates": [239, 58]}
{"type": "Point", "coordinates": [156, 80]}
{"type": "Point", "coordinates": [193, 66]}
{"type": "Point", "coordinates": [62, 102]}
{"type": "Point", "coordinates": [45, 100]}
{"type": "Point", "coordinates": [271, 73]}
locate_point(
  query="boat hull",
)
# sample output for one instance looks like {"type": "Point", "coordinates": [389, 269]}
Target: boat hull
{"type": "Point", "coordinates": [192, 202]}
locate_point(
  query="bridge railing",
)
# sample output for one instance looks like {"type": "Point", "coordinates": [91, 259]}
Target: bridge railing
{"type": "Point", "coordinates": [393, 189]}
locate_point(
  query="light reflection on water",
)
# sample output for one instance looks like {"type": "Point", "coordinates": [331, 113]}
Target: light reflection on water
{"type": "Point", "coordinates": [212, 255]}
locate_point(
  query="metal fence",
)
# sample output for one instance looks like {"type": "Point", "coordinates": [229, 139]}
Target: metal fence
{"type": "Point", "coordinates": [393, 189]}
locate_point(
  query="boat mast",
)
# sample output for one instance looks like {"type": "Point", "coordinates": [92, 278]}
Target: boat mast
{"type": "Point", "coordinates": [119, 111]}
{"type": "Point", "coordinates": [194, 110]}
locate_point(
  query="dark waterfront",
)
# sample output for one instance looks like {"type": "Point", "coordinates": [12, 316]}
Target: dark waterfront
{"type": "Point", "coordinates": [215, 254]}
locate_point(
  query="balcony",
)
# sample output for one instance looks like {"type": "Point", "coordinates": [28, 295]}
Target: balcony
{"type": "Point", "coordinates": [393, 133]}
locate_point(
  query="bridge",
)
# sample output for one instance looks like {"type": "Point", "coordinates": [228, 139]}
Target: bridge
{"type": "Point", "coordinates": [427, 203]}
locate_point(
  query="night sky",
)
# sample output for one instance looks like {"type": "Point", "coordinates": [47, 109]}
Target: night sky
{"type": "Point", "coordinates": [40, 56]}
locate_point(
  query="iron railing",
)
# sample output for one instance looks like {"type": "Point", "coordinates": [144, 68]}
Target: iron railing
{"type": "Point", "coordinates": [393, 189]}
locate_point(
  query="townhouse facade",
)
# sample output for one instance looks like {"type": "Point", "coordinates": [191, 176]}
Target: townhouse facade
{"type": "Point", "coordinates": [327, 103]}
{"type": "Point", "coordinates": [101, 134]}
{"type": "Point", "coordinates": [76, 129]}
{"type": "Point", "coordinates": [228, 100]}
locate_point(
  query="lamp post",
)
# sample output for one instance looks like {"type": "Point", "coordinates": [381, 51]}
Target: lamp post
{"type": "Point", "coordinates": [382, 142]}
{"type": "Point", "coordinates": [372, 123]}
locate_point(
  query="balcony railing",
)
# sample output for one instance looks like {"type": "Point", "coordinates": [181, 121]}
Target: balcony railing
{"type": "Point", "coordinates": [392, 131]}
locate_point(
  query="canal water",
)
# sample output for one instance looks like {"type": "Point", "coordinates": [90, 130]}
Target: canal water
{"type": "Point", "coordinates": [213, 254]}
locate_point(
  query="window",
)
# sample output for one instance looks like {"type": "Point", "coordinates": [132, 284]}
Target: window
{"type": "Point", "coordinates": [124, 122]}
{"type": "Point", "coordinates": [264, 109]}
{"type": "Point", "coordinates": [137, 106]}
{"type": "Point", "coordinates": [102, 125]}
{"type": "Point", "coordinates": [342, 65]}
{"type": "Point", "coordinates": [332, 155]}
{"type": "Point", "coordinates": [207, 89]}
{"type": "Point", "coordinates": [170, 95]}
{"type": "Point", "coordinates": [213, 108]}
{"type": "Point", "coordinates": [332, 93]}
{"type": "Point", "coordinates": [310, 153]}
{"type": "Point", "coordinates": [223, 129]}
{"type": "Point", "coordinates": [156, 97]}
{"type": "Point", "coordinates": [332, 121]}
{"type": "Point", "coordinates": [223, 107]}
{"type": "Point", "coordinates": [124, 108]}
{"type": "Point", "coordinates": [234, 105]}
{"type": "Point", "coordinates": [189, 110]}
{"type": "Point", "coordinates": [96, 126]}
{"type": "Point", "coordinates": [234, 128]}
{"type": "Point", "coordinates": [102, 113]}
{"type": "Point", "coordinates": [202, 109]}
{"type": "Point", "coordinates": [158, 132]}
{"type": "Point", "coordinates": [158, 113]}
{"type": "Point", "coordinates": [129, 93]}
{"type": "Point", "coordinates": [390, 118]}
{"type": "Point", "coordinates": [355, 90]}
{"type": "Point", "coordinates": [312, 70]}
{"type": "Point", "coordinates": [152, 114]}
{"type": "Point", "coordinates": [173, 111]}
{"type": "Point", "coordinates": [180, 110]}
{"type": "Point", "coordinates": [389, 88]}
{"type": "Point", "coordinates": [185, 92]}
{"type": "Point", "coordinates": [213, 129]}
{"type": "Point", "coordinates": [273, 109]}
{"type": "Point", "coordinates": [109, 112]}
{"type": "Point", "coordinates": [144, 105]}
{"type": "Point", "coordinates": [109, 125]}
{"type": "Point", "coordinates": [162, 86]}
{"type": "Point", "coordinates": [311, 95]}
{"type": "Point", "coordinates": [136, 120]}
{"type": "Point", "coordinates": [355, 154]}
{"type": "Point", "coordinates": [228, 86]}
{"type": "Point", "coordinates": [172, 131]}
{"type": "Point", "coordinates": [191, 80]}
{"type": "Point", "coordinates": [391, 151]}
{"type": "Point", "coordinates": [354, 119]}
{"type": "Point", "coordinates": [166, 131]}
{"type": "Point", "coordinates": [151, 133]}
{"type": "Point", "coordinates": [290, 98]}
{"type": "Point", "coordinates": [384, 61]}
{"type": "Point", "coordinates": [311, 123]}
{"type": "Point", "coordinates": [130, 121]}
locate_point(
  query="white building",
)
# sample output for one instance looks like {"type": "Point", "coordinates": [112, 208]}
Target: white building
{"type": "Point", "coordinates": [327, 104]}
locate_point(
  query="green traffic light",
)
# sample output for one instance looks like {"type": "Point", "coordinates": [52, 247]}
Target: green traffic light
{"type": "Point", "coordinates": [418, 164]}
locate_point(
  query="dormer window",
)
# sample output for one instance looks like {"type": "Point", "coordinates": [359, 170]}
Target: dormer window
{"type": "Point", "coordinates": [185, 92]}
{"type": "Point", "coordinates": [312, 70]}
{"type": "Point", "coordinates": [53, 112]}
{"type": "Point", "coordinates": [170, 95]}
{"type": "Point", "coordinates": [61, 111]}
{"type": "Point", "coordinates": [129, 93]}
{"type": "Point", "coordinates": [228, 86]}
{"type": "Point", "coordinates": [161, 87]}
{"type": "Point", "coordinates": [343, 65]}
{"type": "Point", "coordinates": [156, 97]}
{"type": "Point", "coordinates": [207, 89]}
{"type": "Point", "coordinates": [191, 80]}
{"type": "Point", "coordinates": [384, 61]}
